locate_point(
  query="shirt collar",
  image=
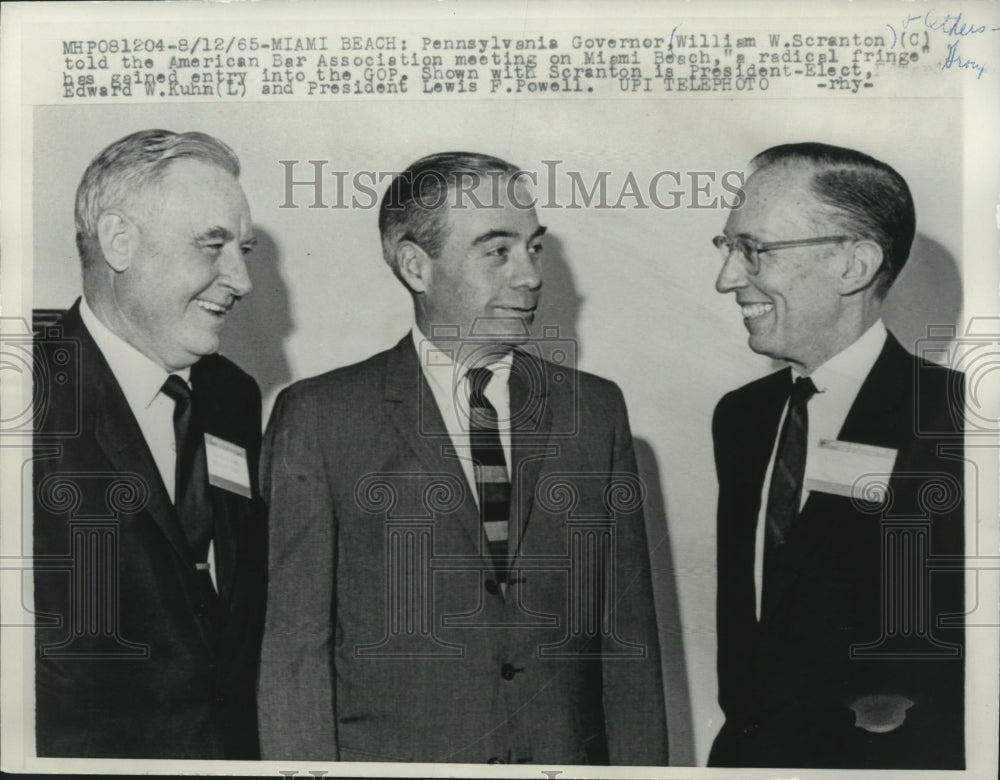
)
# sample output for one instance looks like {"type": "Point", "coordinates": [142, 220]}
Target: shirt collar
{"type": "Point", "coordinates": [850, 366]}
{"type": "Point", "coordinates": [139, 377]}
{"type": "Point", "coordinates": [438, 364]}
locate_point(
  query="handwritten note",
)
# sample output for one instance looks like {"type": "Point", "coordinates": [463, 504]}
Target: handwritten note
{"type": "Point", "coordinates": [953, 26]}
{"type": "Point", "coordinates": [953, 60]}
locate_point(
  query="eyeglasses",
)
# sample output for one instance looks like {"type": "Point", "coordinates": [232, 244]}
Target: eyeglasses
{"type": "Point", "coordinates": [750, 250]}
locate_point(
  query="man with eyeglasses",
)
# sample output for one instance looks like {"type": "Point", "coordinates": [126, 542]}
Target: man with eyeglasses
{"type": "Point", "coordinates": [840, 486]}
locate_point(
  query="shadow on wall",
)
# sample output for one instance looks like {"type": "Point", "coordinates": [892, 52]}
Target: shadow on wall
{"type": "Point", "coordinates": [560, 303]}
{"type": "Point", "coordinates": [560, 306]}
{"type": "Point", "coordinates": [924, 304]}
{"type": "Point", "coordinates": [677, 692]}
{"type": "Point", "coordinates": [926, 299]}
{"type": "Point", "coordinates": [254, 337]}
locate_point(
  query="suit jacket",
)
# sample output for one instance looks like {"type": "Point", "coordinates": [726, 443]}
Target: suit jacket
{"type": "Point", "coordinates": [387, 637]}
{"type": "Point", "coordinates": [860, 594]}
{"type": "Point", "coordinates": [132, 661]}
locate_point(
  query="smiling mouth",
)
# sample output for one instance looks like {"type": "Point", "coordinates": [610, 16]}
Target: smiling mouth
{"type": "Point", "coordinates": [520, 310]}
{"type": "Point", "coordinates": [216, 309]}
{"type": "Point", "coordinates": [754, 311]}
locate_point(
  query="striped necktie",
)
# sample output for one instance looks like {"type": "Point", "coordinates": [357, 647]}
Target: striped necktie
{"type": "Point", "coordinates": [490, 466]}
{"type": "Point", "coordinates": [785, 493]}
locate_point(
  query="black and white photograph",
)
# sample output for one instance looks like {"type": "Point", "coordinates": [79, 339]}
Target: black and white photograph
{"type": "Point", "coordinates": [418, 389]}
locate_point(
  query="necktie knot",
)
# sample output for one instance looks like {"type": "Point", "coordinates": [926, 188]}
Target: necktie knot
{"type": "Point", "coordinates": [479, 378]}
{"type": "Point", "coordinates": [802, 391]}
{"type": "Point", "coordinates": [177, 389]}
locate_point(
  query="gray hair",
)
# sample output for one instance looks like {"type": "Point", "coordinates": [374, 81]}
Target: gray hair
{"type": "Point", "coordinates": [870, 199]}
{"type": "Point", "coordinates": [133, 164]}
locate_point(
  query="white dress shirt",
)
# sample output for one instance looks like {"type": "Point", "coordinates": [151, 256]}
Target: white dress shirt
{"type": "Point", "coordinates": [451, 392]}
{"type": "Point", "coordinates": [141, 381]}
{"type": "Point", "coordinates": [837, 383]}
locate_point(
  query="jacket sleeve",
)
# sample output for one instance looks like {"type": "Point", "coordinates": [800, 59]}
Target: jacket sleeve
{"type": "Point", "coordinates": [296, 688]}
{"type": "Point", "coordinates": [634, 708]}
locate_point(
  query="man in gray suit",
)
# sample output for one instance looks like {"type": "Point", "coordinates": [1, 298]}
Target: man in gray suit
{"type": "Point", "coordinates": [458, 560]}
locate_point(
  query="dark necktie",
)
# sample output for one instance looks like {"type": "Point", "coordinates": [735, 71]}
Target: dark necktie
{"type": "Point", "coordinates": [785, 492]}
{"type": "Point", "coordinates": [490, 468]}
{"type": "Point", "coordinates": [191, 497]}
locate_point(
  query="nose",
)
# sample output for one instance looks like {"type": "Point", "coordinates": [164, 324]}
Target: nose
{"type": "Point", "coordinates": [235, 274]}
{"type": "Point", "coordinates": [526, 270]}
{"type": "Point", "coordinates": [733, 275]}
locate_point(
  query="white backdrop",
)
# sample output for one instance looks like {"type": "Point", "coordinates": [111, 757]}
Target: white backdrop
{"type": "Point", "coordinates": [633, 286]}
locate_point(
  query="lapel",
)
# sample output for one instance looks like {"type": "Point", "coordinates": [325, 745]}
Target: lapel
{"type": "Point", "coordinates": [415, 415]}
{"type": "Point", "coordinates": [117, 433]}
{"type": "Point", "coordinates": [875, 415]}
{"type": "Point", "coordinates": [530, 425]}
{"type": "Point", "coordinates": [875, 418]}
{"type": "Point", "coordinates": [743, 449]}
{"type": "Point", "coordinates": [759, 430]}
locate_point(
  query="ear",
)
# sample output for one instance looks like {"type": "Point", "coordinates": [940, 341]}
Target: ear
{"type": "Point", "coordinates": [118, 237]}
{"type": "Point", "coordinates": [414, 266]}
{"type": "Point", "coordinates": [862, 267]}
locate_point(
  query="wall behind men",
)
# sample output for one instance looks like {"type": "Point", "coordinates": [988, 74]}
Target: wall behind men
{"type": "Point", "coordinates": [632, 286]}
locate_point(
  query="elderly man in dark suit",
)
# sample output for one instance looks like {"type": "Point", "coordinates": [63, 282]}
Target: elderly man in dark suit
{"type": "Point", "coordinates": [149, 532]}
{"type": "Point", "coordinates": [459, 568]}
{"type": "Point", "coordinates": [840, 486]}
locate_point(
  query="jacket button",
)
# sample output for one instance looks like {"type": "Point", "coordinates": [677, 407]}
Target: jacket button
{"type": "Point", "coordinates": [220, 699]}
{"type": "Point", "coordinates": [507, 672]}
{"type": "Point", "coordinates": [491, 587]}
{"type": "Point", "coordinates": [749, 731]}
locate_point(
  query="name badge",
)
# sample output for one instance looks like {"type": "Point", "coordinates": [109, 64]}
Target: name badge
{"type": "Point", "coordinates": [227, 465]}
{"type": "Point", "coordinates": [846, 468]}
